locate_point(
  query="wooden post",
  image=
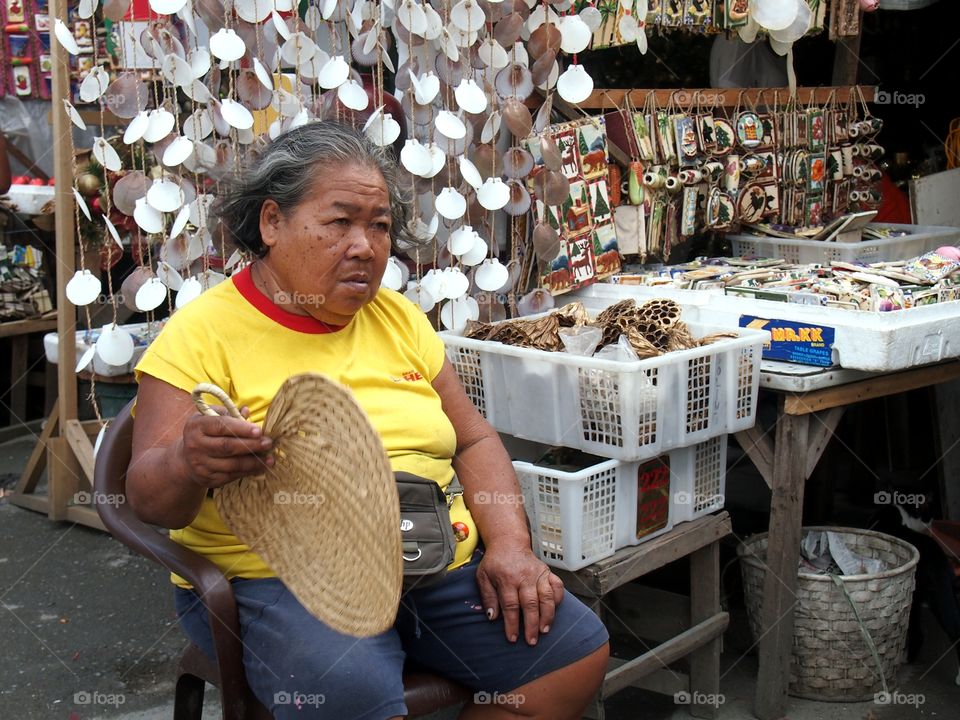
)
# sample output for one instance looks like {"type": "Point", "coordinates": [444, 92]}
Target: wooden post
{"type": "Point", "coordinates": [66, 262]}
{"type": "Point", "coordinates": [705, 604]}
{"type": "Point", "coordinates": [782, 557]}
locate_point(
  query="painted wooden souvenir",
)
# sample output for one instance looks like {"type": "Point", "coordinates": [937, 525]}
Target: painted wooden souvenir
{"type": "Point", "coordinates": [771, 209]}
{"type": "Point", "coordinates": [817, 173]}
{"type": "Point", "coordinates": [768, 137]}
{"type": "Point", "coordinates": [814, 211]}
{"type": "Point", "coordinates": [672, 13]}
{"type": "Point", "coordinates": [752, 202]}
{"type": "Point", "coordinates": [725, 136]}
{"type": "Point", "coordinates": [706, 133]}
{"type": "Point", "coordinates": [686, 136]}
{"type": "Point", "coordinates": [749, 129]}
{"type": "Point", "coordinates": [697, 12]}
{"type": "Point", "coordinates": [816, 130]}
{"type": "Point", "coordinates": [738, 13]}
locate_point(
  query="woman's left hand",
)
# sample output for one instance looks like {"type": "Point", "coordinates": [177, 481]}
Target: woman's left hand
{"type": "Point", "coordinates": [513, 581]}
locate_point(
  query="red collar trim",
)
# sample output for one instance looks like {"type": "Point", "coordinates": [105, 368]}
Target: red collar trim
{"type": "Point", "coordinates": [243, 281]}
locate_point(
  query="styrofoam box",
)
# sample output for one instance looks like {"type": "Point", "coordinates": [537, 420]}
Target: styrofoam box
{"type": "Point", "coordinates": [578, 518]}
{"type": "Point", "coordinates": [922, 238]}
{"type": "Point", "coordinates": [30, 198]}
{"type": "Point", "coordinates": [51, 347]}
{"type": "Point", "coordinates": [863, 340]}
{"type": "Point", "coordinates": [621, 410]}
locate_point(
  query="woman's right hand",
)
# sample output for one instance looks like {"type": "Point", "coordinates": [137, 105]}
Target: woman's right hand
{"type": "Point", "coordinates": [222, 449]}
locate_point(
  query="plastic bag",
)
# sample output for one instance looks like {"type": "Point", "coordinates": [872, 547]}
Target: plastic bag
{"type": "Point", "coordinates": [581, 340]}
{"type": "Point", "coordinates": [622, 351]}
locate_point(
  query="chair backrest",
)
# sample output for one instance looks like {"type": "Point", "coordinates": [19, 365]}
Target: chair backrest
{"type": "Point", "coordinates": [110, 479]}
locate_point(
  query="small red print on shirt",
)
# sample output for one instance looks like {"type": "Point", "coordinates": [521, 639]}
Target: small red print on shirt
{"type": "Point", "coordinates": [409, 376]}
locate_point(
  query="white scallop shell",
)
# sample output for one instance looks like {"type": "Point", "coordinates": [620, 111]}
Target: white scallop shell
{"type": "Point", "coordinates": [392, 275]}
{"type": "Point", "coordinates": [491, 275]}
{"type": "Point", "coordinates": [106, 155]}
{"type": "Point", "coordinates": [456, 313]}
{"type": "Point", "coordinates": [263, 75]}
{"type": "Point", "coordinates": [253, 11]}
{"type": "Point", "coordinates": [94, 85]}
{"type": "Point", "coordinates": [493, 54]}
{"type": "Point", "coordinates": [197, 126]}
{"type": "Point", "coordinates": [437, 159]}
{"type": "Point", "coordinates": [81, 203]}
{"type": "Point", "coordinates": [177, 71]}
{"type": "Point", "coordinates": [85, 360]}
{"type": "Point", "coordinates": [470, 173]}
{"type": "Point", "coordinates": [629, 28]}
{"type": "Point", "coordinates": [189, 290]}
{"type": "Point", "coordinates": [198, 92]}
{"type": "Point", "coordinates": [177, 151]}
{"type": "Point", "coordinates": [226, 45]}
{"type": "Point", "coordinates": [159, 124]}
{"type": "Point", "coordinates": [83, 288]}
{"type": "Point", "coordinates": [111, 228]}
{"type": "Point", "coordinates": [147, 217]}
{"type": "Point", "coordinates": [476, 254]}
{"type": "Point", "coordinates": [167, 7]}
{"type": "Point", "coordinates": [461, 240]}
{"type": "Point", "coordinates": [352, 94]}
{"type": "Point", "coordinates": [575, 85]}
{"type": "Point", "coordinates": [334, 73]}
{"type": "Point", "coordinates": [65, 37]}
{"type": "Point", "coordinates": [425, 88]}
{"type": "Point", "coordinates": [592, 17]}
{"type": "Point", "coordinates": [298, 49]}
{"type": "Point", "coordinates": [774, 14]}
{"type": "Point", "coordinates": [494, 194]}
{"type": "Point", "coordinates": [419, 295]}
{"type": "Point", "coordinates": [168, 276]}
{"type": "Point", "coordinates": [199, 61]}
{"type": "Point", "coordinates": [151, 295]}
{"type": "Point", "coordinates": [455, 284]}
{"type": "Point", "coordinates": [115, 345]}
{"type": "Point", "coordinates": [451, 204]}
{"type": "Point", "coordinates": [467, 15]}
{"type": "Point", "coordinates": [491, 127]}
{"type": "Point", "coordinates": [450, 125]}
{"type": "Point", "coordinates": [575, 34]}
{"type": "Point", "coordinates": [236, 114]}
{"type": "Point", "coordinates": [412, 17]}
{"type": "Point", "coordinates": [382, 129]}
{"type": "Point", "coordinates": [180, 222]}
{"type": "Point", "coordinates": [165, 195]}
{"type": "Point", "coordinates": [434, 23]}
{"type": "Point", "coordinates": [280, 24]}
{"type": "Point", "coordinates": [415, 157]}
{"type": "Point", "coordinates": [470, 96]}
{"type": "Point", "coordinates": [74, 115]}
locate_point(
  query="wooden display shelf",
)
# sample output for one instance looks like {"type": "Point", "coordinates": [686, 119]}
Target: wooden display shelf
{"type": "Point", "coordinates": [613, 99]}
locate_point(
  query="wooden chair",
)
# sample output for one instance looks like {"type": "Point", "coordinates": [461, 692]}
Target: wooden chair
{"type": "Point", "coordinates": [424, 692]}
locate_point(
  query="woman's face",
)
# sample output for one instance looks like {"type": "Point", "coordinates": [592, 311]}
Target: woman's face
{"type": "Point", "coordinates": [328, 253]}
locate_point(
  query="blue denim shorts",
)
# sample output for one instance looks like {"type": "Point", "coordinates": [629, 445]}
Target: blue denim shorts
{"type": "Point", "coordinates": [299, 667]}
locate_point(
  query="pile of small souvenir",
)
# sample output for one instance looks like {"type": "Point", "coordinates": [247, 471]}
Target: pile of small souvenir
{"type": "Point", "coordinates": [22, 291]}
{"type": "Point", "coordinates": [933, 277]}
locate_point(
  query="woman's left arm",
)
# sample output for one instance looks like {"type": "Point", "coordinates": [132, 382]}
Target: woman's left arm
{"type": "Point", "coordinates": [512, 580]}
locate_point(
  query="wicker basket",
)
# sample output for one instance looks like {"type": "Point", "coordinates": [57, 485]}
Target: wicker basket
{"type": "Point", "coordinates": [831, 658]}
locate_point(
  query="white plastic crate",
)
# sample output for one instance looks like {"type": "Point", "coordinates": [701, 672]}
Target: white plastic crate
{"type": "Point", "coordinates": [85, 339]}
{"type": "Point", "coordinates": [621, 410]}
{"type": "Point", "coordinates": [922, 238]}
{"type": "Point", "coordinates": [698, 479]}
{"type": "Point", "coordinates": [863, 340]}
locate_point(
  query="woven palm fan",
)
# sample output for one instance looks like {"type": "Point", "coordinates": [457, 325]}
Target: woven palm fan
{"type": "Point", "coordinates": [326, 517]}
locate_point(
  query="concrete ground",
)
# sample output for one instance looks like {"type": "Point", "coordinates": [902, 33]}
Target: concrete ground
{"type": "Point", "coordinates": [89, 632]}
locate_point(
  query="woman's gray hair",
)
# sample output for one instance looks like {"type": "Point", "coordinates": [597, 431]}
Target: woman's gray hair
{"type": "Point", "coordinates": [282, 172]}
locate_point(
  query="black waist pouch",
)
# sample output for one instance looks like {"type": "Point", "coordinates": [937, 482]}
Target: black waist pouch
{"type": "Point", "coordinates": [425, 529]}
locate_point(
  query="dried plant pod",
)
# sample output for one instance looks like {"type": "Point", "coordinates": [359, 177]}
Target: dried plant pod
{"type": "Point", "coordinates": [517, 118]}
{"type": "Point", "coordinates": [552, 159]}
{"type": "Point", "coordinates": [679, 338]}
{"type": "Point", "coordinates": [546, 242]}
{"type": "Point", "coordinates": [572, 315]}
{"type": "Point", "coordinates": [641, 346]}
{"type": "Point", "coordinates": [544, 39]}
{"type": "Point", "coordinates": [609, 315]}
{"type": "Point", "coordinates": [716, 337]}
{"type": "Point", "coordinates": [664, 312]}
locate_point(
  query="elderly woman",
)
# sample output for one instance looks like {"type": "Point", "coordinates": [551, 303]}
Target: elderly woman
{"type": "Point", "coordinates": [319, 212]}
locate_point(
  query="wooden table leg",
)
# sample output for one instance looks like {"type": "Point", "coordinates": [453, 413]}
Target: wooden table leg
{"type": "Point", "coordinates": [18, 379]}
{"type": "Point", "coordinates": [783, 555]}
{"type": "Point", "coordinates": [704, 604]}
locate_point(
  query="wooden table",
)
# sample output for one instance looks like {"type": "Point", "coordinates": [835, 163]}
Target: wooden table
{"type": "Point", "coordinates": [19, 332]}
{"type": "Point", "coordinates": [810, 403]}
{"type": "Point", "coordinates": [700, 540]}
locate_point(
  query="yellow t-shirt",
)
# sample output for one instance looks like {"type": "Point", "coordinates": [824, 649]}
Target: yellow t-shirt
{"type": "Point", "coordinates": [388, 355]}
